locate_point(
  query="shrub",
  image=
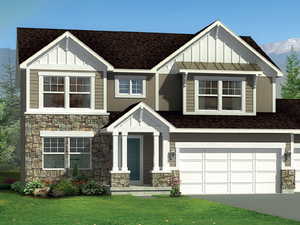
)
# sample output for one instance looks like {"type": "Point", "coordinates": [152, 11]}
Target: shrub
{"type": "Point", "coordinates": [93, 188]}
{"type": "Point", "coordinates": [4, 186]}
{"type": "Point", "coordinates": [31, 186]}
{"type": "Point", "coordinates": [64, 188]}
{"type": "Point", "coordinates": [9, 180]}
{"type": "Point", "coordinates": [18, 187]}
{"type": "Point", "coordinates": [75, 172]}
{"type": "Point", "coordinates": [174, 183]}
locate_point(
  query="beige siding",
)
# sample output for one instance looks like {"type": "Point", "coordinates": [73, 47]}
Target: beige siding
{"type": "Point", "coordinates": [190, 94]}
{"type": "Point", "coordinates": [264, 99]}
{"type": "Point", "coordinates": [170, 92]}
{"type": "Point", "coordinates": [249, 94]}
{"type": "Point", "coordinates": [34, 89]}
{"type": "Point", "coordinates": [119, 104]}
{"type": "Point", "coordinates": [148, 158]}
{"type": "Point", "coordinates": [99, 97]}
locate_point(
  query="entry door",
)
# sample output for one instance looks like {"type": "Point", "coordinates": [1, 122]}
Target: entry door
{"type": "Point", "coordinates": [134, 159]}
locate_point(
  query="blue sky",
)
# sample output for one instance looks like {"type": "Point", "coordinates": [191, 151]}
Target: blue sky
{"type": "Point", "coordinates": [265, 20]}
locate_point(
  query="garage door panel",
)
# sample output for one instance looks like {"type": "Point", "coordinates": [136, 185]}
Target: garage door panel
{"type": "Point", "coordinates": [265, 187]}
{"type": "Point", "coordinates": [216, 155]}
{"type": "Point", "coordinates": [242, 188]}
{"type": "Point", "coordinates": [191, 165]}
{"type": "Point", "coordinates": [192, 155]}
{"type": "Point", "coordinates": [241, 165]}
{"type": "Point", "coordinates": [216, 165]}
{"type": "Point", "coordinates": [241, 177]}
{"type": "Point", "coordinates": [242, 156]}
{"type": "Point", "coordinates": [265, 176]}
{"type": "Point", "coordinates": [266, 155]}
{"type": "Point", "coordinates": [216, 177]}
{"type": "Point", "coordinates": [191, 188]}
{"type": "Point", "coordinates": [216, 188]}
{"type": "Point", "coordinates": [265, 165]}
{"type": "Point", "coordinates": [192, 177]}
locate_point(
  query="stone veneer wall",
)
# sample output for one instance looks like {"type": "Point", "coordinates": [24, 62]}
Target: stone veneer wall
{"type": "Point", "coordinates": [120, 179]}
{"type": "Point", "coordinates": [162, 179]}
{"type": "Point", "coordinates": [288, 180]}
{"type": "Point", "coordinates": [101, 145]}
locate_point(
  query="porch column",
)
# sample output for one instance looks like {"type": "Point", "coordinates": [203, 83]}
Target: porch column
{"type": "Point", "coordinates": [115, 152]}
{"type": "Point", "coordinates": [124, 151]}
{"type": "Point", "coordinates": [166, 150]}
{"type": "Point", "coordinates": [156, 151]}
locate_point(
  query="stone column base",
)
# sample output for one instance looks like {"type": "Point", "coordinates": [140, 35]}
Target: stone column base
{"type": "Point", "coordinates": [161, 178]}
{"type": "Point", "coordinates": [288, 180]}
{"type": "Point", "coordinates": [119, 179]}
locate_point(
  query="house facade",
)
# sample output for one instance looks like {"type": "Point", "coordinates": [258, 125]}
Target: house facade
{"type": "Point", "coordinates": [133, 108]}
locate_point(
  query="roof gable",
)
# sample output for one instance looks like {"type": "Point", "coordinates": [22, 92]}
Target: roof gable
{"type": "Point", "coordinates": [126, 50]}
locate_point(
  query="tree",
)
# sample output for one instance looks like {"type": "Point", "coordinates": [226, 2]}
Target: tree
{"type": "Point", "coordinates": [291, 87]}
{"type": "Point", "coordinates": [9, 116]}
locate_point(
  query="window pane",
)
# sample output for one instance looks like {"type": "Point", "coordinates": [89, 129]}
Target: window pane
{"type": "Point", "coordinates": [80, 101]}
{"type": "Point", "coordinates": [52, 83]}
{"type": "Point", "coordinates": [54, 161]}
{"type": "Point", "coordinates": [54, 144]}
{"type": "Point", "coordinates": [232, 87]}
{"type": "Point", "coordinates": [54, 100]}
{"type": "Point", "coordinates": [80, 145]}
{"type": "Point", "coordinates": [124, 86]}
{"type": "Point", "coordinates": [82, 161]}
{"type": "Point", "coordinates": [208, 102]}
{"type": "Point", "coordinates": [80, 84]}
{"type": "Point", "coordinates": [232, 103]}
{"type": "Point", "coordinates": [208, 87]}
{"type": "Point", "coordinates": [137, 86]}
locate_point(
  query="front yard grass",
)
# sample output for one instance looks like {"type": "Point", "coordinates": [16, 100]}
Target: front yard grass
{"type": "Point", "coordinates": [121, 210]}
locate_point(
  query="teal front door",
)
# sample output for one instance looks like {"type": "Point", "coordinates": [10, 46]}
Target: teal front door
{"type": "Point", "coordinates": [133, 159]}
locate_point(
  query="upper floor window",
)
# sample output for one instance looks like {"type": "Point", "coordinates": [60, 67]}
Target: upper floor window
{"type": "Point", "coordinates": [130, 87]}
{"type": "Point", "coordinates": [66, 92]}
{"type": "Point", "coordinates": [219, 94]}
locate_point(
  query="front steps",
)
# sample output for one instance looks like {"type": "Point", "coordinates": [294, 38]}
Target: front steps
{"type": "Point", "coordinates": [140, 190]}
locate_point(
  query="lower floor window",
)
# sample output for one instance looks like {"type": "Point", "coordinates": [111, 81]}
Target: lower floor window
{"type": "Point", "coordinates": [61, 153]}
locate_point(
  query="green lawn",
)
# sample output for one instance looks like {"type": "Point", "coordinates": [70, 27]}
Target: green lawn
{"type": "Point", "coordinates": [121, 210]}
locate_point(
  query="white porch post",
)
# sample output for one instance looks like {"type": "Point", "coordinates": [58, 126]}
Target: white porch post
{"type": "Point", "coordinates": [124, 151]}
{"type": "Point", "coordinates": [156, 151]}
{"type": "Point", "coordinates": [166, 149]}
{"type": "Point", "coordinates": [115, 152]}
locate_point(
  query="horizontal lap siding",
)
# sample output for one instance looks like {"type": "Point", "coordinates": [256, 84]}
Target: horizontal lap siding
{"type": "Point", "coordinates": [264, 96]}
{"type": "Point", "coordinates": [99, 91]}
{"type": "Point", "coordinates": [190, 94]}
{"type": "Point", "coordinates": [249, 94]}
{"type": "Point", "coordinates": [34, 89]}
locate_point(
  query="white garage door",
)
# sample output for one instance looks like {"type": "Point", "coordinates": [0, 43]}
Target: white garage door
{"type": "Point", "coordinates": [297, 168]}
{"type": "Point", "coordinates": [228, 171]}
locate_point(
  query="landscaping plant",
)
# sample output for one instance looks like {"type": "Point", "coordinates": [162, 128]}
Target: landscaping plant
{"type": "Point", "coordinates": [64, 187]}
{"type": "Point", "coordinates": [31, 186]}
{"type": "Point", "coordinates": [174, 183]}
{"type": "Point", "coordinates": [18, 187]}
{"type": "Point", "coordinates": [93, 188]}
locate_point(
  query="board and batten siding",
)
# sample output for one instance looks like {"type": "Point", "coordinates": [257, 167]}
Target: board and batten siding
{"type": "Point", "coordinates": [190, 93]}
{"type": "Point", "coordinates": [99, 97]}
{"type": "Point", "coordinates": [34, 90]}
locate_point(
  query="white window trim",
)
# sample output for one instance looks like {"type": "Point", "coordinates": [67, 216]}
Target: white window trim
{"type": "Point", "coordinates": [66, 109]}
{"type": "Point", "coordinates": [130, 95]}
{"type": "Point", "coordinates": [67, 153]}
{"type": "Point", "coordinates": [219, 111]}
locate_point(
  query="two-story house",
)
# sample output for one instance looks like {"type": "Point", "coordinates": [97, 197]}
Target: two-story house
{"type": "Point", "coordinates": [134, 108]}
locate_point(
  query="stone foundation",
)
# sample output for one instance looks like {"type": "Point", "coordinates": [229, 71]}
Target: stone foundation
{"type": "Point", "coordinates": [120, 179]}
{"type": "Point", "coordinates": [163, 179]}
{"type": "Point", "coordinates": [287, 181]}
{"type": "Point", "coordinates": [33, 149]}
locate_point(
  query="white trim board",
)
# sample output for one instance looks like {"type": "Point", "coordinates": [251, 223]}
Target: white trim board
{"type": "Point", "coordinates": [229, 145]}
{"type": "Point", "coordinates": [49, 133]}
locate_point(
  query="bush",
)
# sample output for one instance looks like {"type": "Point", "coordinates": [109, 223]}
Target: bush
{"type": "Point", "coordinates": [93, 188]}
{"type": "Point", "coordinates": [174, 183]}
{"type": "Point", "coordinates": [18, 187]}
{"type": "Point", "coordinates": [63, 188]}
{"type": "Point", "coordinates": [31, 186]}
{"type": "Point", "coordinates": [4, 186]}
{"type": "Point", "coordinates": [75, 172]}
{"type": "Point", "coordinates": [9, 180]}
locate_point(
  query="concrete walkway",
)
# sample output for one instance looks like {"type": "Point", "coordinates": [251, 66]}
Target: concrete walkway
{"type": "Point", "coordinates": [282, 205]}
